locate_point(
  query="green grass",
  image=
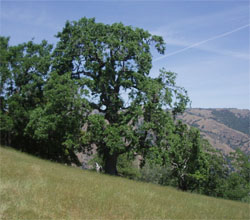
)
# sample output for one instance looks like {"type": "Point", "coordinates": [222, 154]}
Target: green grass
{"type": "Point", "coordinates": [32, 188]}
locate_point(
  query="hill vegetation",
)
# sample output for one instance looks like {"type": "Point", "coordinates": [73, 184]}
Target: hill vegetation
{"type": "Point", "coordinates": [234, 119]}
{"type": "Point", "coordinates": [31, 188]}
{"type": "Point", "coordinates": [226, 129]}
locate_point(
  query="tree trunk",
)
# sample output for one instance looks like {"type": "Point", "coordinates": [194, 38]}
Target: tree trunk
{"type": "Point", "coordinates": [183, 183]}
{"type": "Point", "coordinates": [110, 164]}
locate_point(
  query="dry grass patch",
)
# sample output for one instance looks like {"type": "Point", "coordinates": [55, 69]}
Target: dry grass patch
{"type": "Point", "coordinates": [31, 188]}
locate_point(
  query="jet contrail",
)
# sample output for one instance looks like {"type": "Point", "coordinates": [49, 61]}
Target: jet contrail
{"type": "Point", "coordinates": [202, 42]}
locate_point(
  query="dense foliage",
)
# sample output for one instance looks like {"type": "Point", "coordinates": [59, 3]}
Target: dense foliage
{"type": "Point", "coordinates": [94, 89]}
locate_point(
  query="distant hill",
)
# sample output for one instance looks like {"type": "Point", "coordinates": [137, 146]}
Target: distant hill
{"type": "Point", "coordinates": [226, 129]}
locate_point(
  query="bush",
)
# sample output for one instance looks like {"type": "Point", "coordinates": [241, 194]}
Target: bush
{"type": "Point", "coordinates": [155, 173]}
{"type": "Point", "coordinates": [126, 168]}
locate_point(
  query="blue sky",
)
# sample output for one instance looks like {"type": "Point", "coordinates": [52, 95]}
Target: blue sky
{"type": "Point", "coordinates": [207, 41]}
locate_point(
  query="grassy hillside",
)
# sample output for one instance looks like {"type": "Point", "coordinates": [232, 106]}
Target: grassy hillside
{"type": "Point", "coordinates": [234, 118]}
{"type": "Point", "coordinates": [31, 188]}
{"type": "Point", "coordinates": [226, 129]}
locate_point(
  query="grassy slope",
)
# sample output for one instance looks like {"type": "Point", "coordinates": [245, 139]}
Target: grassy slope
{"type": "Point", "coordinates": [31, 188]}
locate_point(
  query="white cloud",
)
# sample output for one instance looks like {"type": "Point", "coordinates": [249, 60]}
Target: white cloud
{"type": "Point", "coordinates": [188, 46]}
{"type": "Point", "coordinates": [26, 16]}
{"type": "Point", "coordinates": [196, 31]}
{"type": "Point", "coordinates": [236, 16]}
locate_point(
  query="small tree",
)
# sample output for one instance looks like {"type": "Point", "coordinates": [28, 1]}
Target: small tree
{"type": "Point", "coordinates": [56, 124]}
{"type": "Point", "coordinates": [239, 179]}
{"type": "Point", "coordinates": [187, 158]}
{"type": "Point", "coordinates": [216, 182]}
{"type": "Point", "coordinates": [24, 70]}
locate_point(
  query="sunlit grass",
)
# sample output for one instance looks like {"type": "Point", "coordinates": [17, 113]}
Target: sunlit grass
{"type": "Point", "coordinates": [31, 188]}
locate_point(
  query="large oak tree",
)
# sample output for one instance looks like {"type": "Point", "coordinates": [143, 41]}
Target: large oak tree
{"type": "Point", "coordinates": [113, 63]}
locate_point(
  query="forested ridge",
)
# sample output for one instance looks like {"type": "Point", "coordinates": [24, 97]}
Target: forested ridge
{"type": "Point", "coordinates": [234, 121]}
{"type": "Point", "coordinates": [50, 96]}
{"type": "Point", "coordinates": [226, 129]}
